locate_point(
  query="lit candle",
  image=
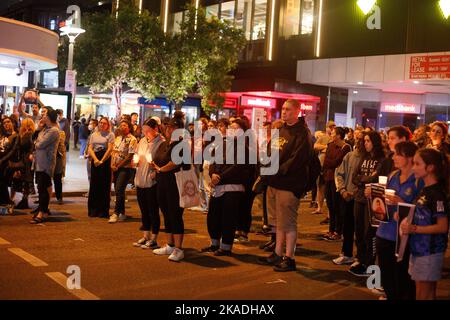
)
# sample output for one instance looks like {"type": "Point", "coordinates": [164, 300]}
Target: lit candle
{"type": "Point", "coordinates": [148, 157]}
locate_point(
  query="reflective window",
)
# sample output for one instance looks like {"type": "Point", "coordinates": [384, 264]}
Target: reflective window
{"type": "Point", "coordinates": [244, 16]}
{"type": "Point", "coordinates": [175, 20]}
{"type": "Point", "coordinates": [259, 20]}
{"type": "Point", "coordinates": [227, 11]}
{"type": "Point", "coordinates": [307, 16]}
{"type": "Point", "coordinates": [212, 11]}
{"type": "Point", "coordinates": [291, 25]}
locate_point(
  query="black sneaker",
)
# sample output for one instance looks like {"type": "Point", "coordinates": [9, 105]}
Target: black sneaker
{"type": "Point", "coordinates": [268, 243]}
{"type": "Point", "coordinates": [210, 249]}
{"type": "Point", "coordinates": [271, 248]}
{"type": "Point", "coordinates": [222, 252]}
{"type": "Point", "coordinates": [286, 264]}
{"type": "Point", "coordinates": [271, 260]}
{"type": "Point", "coordinates": [358, 270]}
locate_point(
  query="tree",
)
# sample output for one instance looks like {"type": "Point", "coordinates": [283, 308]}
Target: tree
{"type": "Point", "coordinates": [197, 60]}
{"type": "Point", "coordinates": [107, 55]}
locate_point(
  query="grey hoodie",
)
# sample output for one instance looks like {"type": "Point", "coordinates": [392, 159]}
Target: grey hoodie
{"type": "Point", "coordinates": [46, 148]}
{"type": "Point", "coordinates": [343, 174]}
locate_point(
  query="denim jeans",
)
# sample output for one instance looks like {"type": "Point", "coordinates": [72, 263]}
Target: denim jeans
{"type": "Point", "coordinates": [83, 146]}
{"type": "Point", "coordinates": [121, 178]}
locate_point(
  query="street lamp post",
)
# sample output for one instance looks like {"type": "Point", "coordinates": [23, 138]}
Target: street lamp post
{"type": "Point", "coordinates": [72, 29]}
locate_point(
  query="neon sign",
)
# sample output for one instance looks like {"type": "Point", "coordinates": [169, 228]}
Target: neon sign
{"type": "Point", "coordinates": [258, 102]}
{"type": "Point", "coordinates": [400, 108]}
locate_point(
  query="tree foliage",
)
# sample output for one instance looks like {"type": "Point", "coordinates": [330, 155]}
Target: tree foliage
{"type": "Point", "coordinates": [133, 49]}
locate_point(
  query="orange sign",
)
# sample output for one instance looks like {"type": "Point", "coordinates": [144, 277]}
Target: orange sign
{"type": "Point", "coordinates": [430, 67]}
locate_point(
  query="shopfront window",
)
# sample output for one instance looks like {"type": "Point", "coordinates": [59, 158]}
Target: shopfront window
{"type": "Point", "coordinates": [244, 16]}
{"type": "Point", "coordinates": [437, 113]}
{"type": "Point", "coordinates": [212, 11]}
{"type": "Point", "coordinates": [291, 25]}
{"type": "Point", "coordinates": [175, 21]}
{"type": "Point", "coordinates": [227, 11]}
{"type": "Point", "coordinates": [259, 20]}
{"type": "Point", "coordinates": [307, 16]}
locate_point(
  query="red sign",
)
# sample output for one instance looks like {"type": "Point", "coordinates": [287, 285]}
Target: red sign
{"type": "Point", "coordinates": [400, 108]}
{"type": "Point", "coordinates": [430, 67]}
{"type": "Point", "coordinates": [248, 101]}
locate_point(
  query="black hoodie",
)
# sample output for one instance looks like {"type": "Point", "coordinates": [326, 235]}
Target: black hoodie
{"type": "Point", "coordinates": [294, 145]}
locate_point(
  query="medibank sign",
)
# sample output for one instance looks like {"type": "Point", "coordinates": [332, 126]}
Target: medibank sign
{"type": "Point", "coordinates": [400, 108]}
{"type": "Point", "coordinates": [248, 101]}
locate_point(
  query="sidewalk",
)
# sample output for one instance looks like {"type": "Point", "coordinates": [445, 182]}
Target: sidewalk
{"type": "Point", "coordinates": [76, 179]}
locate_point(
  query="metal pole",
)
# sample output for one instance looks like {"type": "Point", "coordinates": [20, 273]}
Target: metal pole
{"type": "Point", "coordinates": [71, 43]}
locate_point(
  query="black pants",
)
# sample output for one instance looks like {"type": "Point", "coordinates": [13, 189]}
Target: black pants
{"type": "Point", "coordinates": [333, 204]}
{"type": "Point", "coordinates": [223, 216]}
{"type": "Point", "coordinates": [100, 188]}
{"type": "Point", "coordinates": [265, 216]}
{"type": "Point", "coordinates": [361, 216]}
{"type": "Point", "coordinates": [395, 278]}
{"type": "Point", "coordinates": [346, 208]}
{"type": "Point", "coordinates": [121, 179]}
{"type": "Point", "coordinates": [314, 193]}
{"type": "Point", "coordinates": [169, 202]}
{"type": "Point", "coordinates": [148, 204]}
{"type": "Point", "coordinates": [43, 181]}
{"type": "Point", "coordinates": [4, 193]}
{"type": "Point", "coordinates": [57, 181]}
{"type": "Point", "coordinates": [245, 211]}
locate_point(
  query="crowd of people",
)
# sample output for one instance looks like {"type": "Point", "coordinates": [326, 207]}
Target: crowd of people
{"type": "Point", "coordinates": [350, 161]}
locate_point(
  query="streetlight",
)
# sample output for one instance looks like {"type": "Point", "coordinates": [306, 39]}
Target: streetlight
{"type": "Point", "coordinates": [72, 29]}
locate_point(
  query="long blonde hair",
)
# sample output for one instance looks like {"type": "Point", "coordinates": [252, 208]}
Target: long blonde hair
{"type": "Point", "coordinates": [27, 123]}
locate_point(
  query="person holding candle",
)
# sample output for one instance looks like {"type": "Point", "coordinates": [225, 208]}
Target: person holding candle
{"type": "Point", "coordinates": [145, 183]}
{"type": "Point", "coordinates": [123, 151]}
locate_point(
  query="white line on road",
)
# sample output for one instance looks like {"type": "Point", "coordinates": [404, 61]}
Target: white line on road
{"type": "Point", "coordinates": [35, 262]}
{"type": "Point", "coordinates": [61, 279]}
{"type": "Point", "coordinates": [3, 241]}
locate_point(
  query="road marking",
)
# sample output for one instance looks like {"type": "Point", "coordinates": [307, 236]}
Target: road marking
{"type": "Point", "coordinates": [35, 262]}
{"type": "Point", "coordinates": [3, 241]}
{"type": "Point", "coordinates": [61, 279]}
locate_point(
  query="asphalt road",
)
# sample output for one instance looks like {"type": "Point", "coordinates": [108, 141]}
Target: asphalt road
{"type": "Point", "coordinates": [34, 260]}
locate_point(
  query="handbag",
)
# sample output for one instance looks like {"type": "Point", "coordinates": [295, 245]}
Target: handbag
{"type": "Point", "coordinates": [187, 183]}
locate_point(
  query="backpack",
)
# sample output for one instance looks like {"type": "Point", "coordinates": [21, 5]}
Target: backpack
{"type": "Point", "coordinates": [313, 170]}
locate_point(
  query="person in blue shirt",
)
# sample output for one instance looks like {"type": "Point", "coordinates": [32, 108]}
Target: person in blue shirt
{"type": "Point", "coordinates": [396, 282]}
{"type": "Point", "coordinates": [428, 229]}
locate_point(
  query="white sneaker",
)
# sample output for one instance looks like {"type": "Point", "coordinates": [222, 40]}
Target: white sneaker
{"type": "Point", "coordinates": [113, 218]}
{"type": "Point", "coordinates": [166, 250]}
{"type": "Point", "coordinates": [176, 255]}
{"type": "Point", "coordinates": [122, 217]}
{"type": "Point", "coordinates": [140, 242]}
{"type": "Point", "coordinates": [342, 260]}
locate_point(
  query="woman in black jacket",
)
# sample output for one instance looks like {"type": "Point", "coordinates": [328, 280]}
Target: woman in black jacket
{"type": "Point", "coordinates": [167, 191]}
{"type": "Point", "coordinates": [227, 195]}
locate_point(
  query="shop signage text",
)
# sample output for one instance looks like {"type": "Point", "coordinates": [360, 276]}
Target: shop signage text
{"type": "Point", "coordinates": [430, 67]}
{"type": "Point", "coordinates": [400, 108]}
{"type": "Point", "coordinates": [258, 102]}
{"type": "Point", "coordinates": [306, 107]}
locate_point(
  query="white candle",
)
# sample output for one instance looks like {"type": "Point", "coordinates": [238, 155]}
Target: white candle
{"type": "Point", "coordinates": [148, 157]}
{"type": "Point", "coordinates": [136, 158]}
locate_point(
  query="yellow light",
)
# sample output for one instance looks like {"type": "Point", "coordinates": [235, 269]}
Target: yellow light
{"type": "Point", "coordinates": [140, 6]}
{"type": "Point", "coordinates": [445, 7]}
{"type": "Point", "coordinates": [197, 4]}
{"type": "Point", "coordinates": [117, 8]}
{"type": "Point", "coordinates": [272, 18]}
{"type": "Point", "coordinates": [366, 5]}
{"type": "Point", "coordinates": [319, 30]}
{"type": "Point", "coordinates": [166, 14]}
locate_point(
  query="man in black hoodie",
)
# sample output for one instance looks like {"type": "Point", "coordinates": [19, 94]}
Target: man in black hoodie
{"type": "Point", "coordinates": [288, 185]}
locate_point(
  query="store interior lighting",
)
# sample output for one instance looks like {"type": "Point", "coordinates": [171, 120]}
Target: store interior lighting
{"type": "Point", "coordinates": [366, 5]}
{"type": "Point", "coordinates": [445, 7]}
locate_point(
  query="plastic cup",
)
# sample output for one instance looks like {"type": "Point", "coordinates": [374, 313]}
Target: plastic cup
{"type": "Point", "coordinates": [389, 192]}
{"type": "Point", "coordinates": [382, 180]}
